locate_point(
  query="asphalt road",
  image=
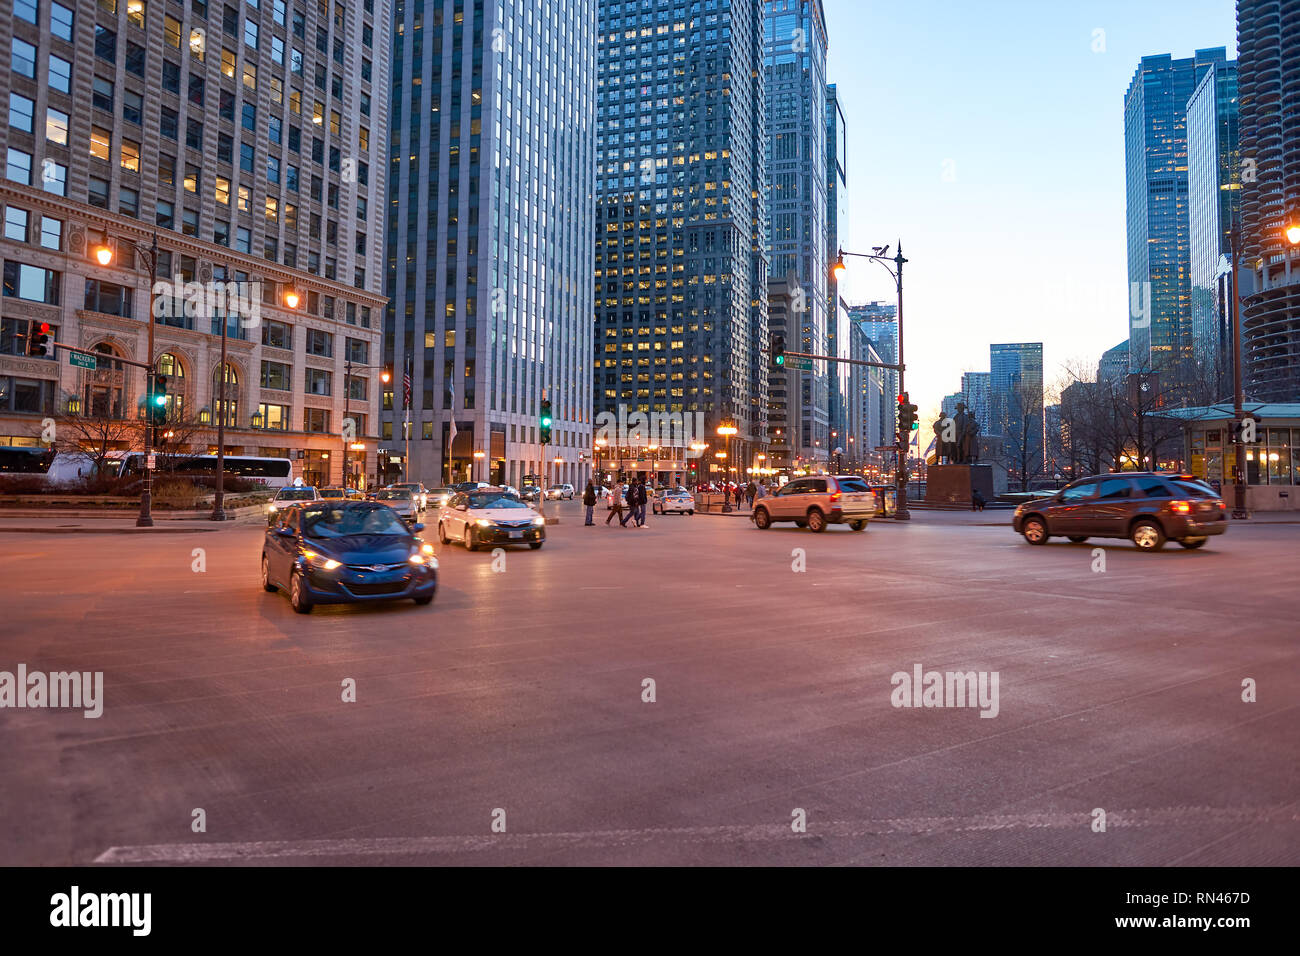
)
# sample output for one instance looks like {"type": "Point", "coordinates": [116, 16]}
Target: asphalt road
{"type": "Point", "coordinates": [519, 695]}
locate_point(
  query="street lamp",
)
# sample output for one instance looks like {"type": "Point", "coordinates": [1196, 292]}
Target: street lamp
{"type": "Point", "coordinates": [103, 254]}
{"type": "Point", "coordinates": [726, 429]}
{"type": "Point", "coordinates": [480, 455]}
{"type": "Point", "coordinates": [881, 255]}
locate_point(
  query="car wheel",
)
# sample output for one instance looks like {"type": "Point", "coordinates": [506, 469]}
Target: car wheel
{"type": "Point", "coordinates": [298, 594]}
{"type": "Point", "coordinates": [761, 518]}
{"type": "Point", "coordinates": [1148, 536]}
{"type": "Point", "coordinates": [422, 601]}
{"type": "Point", "coordinates": [816, 521]}
{"type": "Point", "coordinates": [535, 544]}
{"type": "Point", "coordinates": [266, 576]}
{"type": "Point", "coordinates": [1034, 530]}
{"type": "Point", "coordinates": [442, 534]}
{"type": "Point", "coordinates": [1192, 543]}
{"type": "Point", "coordinates": [858, 525]}
{"type": "Point", "coordinates": [470, 543]}
{"type": "Point", "coordinates": [1077, 538]}
{"type": "Point", "coordinates": [691, 512]}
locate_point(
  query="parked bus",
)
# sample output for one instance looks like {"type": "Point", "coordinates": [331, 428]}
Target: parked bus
{"type": "Point", "coordinates": [271, 472]}
{"type": "Point", "coordinates": [25, 460]}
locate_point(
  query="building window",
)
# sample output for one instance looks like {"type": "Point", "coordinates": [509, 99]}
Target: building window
{"type": "Point", "coordinates": [97, 192]}
{"type": "Point", "coordinates": [317, 382]}
{"type": "Point", "coordinates": [320, 343]}
{"type": "Point", "coordinates": [22, 281]}
{"type": "Point", "coordinates": [21, 113]}
{"type": "Point", "coordinates": [18, 166]}
{"type": "Point", "coordinates": [60, 74]}
{"type": "Point", "coordinates": [133, 107]}
{"type": "Point", "coordinates": [277, 334]}
{"type": "Point", "coordinates": [130, 156]}
{"type": "Point", "coordinates": [22, 58]}
{"type": "Point", "coordinates": [277, 375]}
{"type": "Point", "coordinates": [108, 298]}
{"type": "Point", "coordinates": [16, 224]}
{"type": "Point", "coordinates": [105, 44]}
{"type": "Point", "coordinates": [316, 420]}
{"type": "Point", "coordinates": [27, 395]}
{"type": "Point", "coordinates": [61, 20]}
{"type": "Point", "coordinates": [128, 202]}
{"type": "Point", "coordinates": [274, 417]}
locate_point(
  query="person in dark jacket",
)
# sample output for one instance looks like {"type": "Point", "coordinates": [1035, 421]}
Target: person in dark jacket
{"type": "Point", "coordinates": [633, 502]}
{"type": "Point", "coordinates": [589, 500]}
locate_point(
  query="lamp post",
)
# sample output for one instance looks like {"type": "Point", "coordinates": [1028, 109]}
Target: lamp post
{"type": "Point", "coordinates": [600, 447]}
{"type": "Point", "coordinates": [881, 255]}
{"type": "Point", "coordinates": [726, 429]}
{"type": "Point", "coordinates": [384, 376]}
{"type": "Point", "coordinates": [479, 456]}
{"type": "Point", "coordinates": [104, 256]}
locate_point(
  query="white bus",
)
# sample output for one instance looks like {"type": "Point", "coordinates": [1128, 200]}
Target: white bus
{"type": "Point", "coordinates": [271, 472]}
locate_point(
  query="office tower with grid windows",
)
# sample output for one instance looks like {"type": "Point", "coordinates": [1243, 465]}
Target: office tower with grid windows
{"type": "Point", "coordinates": [837, 221]}
{"type": "Point", "coordinates": [681, 269]}
{"type": "Point", "coordinates": [248, 137]}
{"type": "Point", "coordinates": [1213, 192]}
{"type": "Point", "coordinates": [490, 232]}
{"type": "Point", "coordinates": [1159, 264]}
{"type": "Point", "coordinates": [794, 61]}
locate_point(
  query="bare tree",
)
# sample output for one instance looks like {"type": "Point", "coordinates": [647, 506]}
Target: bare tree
{"type": "Point", "coordinates": [95, 437]}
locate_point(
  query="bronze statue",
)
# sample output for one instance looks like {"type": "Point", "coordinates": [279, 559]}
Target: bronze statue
{"type": "Point", "coordinates": [966, 449]}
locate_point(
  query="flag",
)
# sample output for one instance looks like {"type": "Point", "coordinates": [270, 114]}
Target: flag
{"type": "Point", "coordinates": [406, 386]}
{"type": "Point", "coordinates": [451, 390]}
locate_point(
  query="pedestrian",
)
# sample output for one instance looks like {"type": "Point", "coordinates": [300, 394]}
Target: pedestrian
{"type": "Point", "coordinates": [616, 503]}
{"type": "Point", "coordinates": [976, 501]}
{"type": "Point", "coordinates": [589, 500]}
{"type": "Point", "coordinates": [751, 493]}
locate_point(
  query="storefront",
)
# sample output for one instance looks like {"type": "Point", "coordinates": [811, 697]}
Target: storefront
{"type": "Point", "coordinates": [1272, 451]}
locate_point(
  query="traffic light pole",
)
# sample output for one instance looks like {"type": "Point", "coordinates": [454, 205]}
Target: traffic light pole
{"type": "Point", "coordinates": [145, 520]}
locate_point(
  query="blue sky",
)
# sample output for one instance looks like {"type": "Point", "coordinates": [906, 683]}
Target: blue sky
{"type": "Point", "coordinates": [990, 137]}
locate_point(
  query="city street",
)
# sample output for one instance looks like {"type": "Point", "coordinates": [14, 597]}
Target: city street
{"type": "Point", "coordinates": [518, 697]}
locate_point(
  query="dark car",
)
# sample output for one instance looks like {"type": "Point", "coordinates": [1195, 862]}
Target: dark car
{"type": "Point", "coordinates": [1148, 508]}
{"type": "Point", "coordinates": [344, 552]}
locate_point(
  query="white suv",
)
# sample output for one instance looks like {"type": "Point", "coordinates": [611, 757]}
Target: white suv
{"type": "Point", "coordinates": [817, 501]}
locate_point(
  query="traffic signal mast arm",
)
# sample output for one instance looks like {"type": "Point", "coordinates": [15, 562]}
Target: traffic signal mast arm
{"type": "Point", "coordinates": [845, 361]}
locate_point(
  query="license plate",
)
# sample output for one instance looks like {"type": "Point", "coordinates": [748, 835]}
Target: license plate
{"type": "Point", "coordinates": [516, 534]}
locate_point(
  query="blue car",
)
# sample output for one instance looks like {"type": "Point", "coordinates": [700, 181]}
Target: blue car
{"type": "Point", "coordinates": [346, 552]}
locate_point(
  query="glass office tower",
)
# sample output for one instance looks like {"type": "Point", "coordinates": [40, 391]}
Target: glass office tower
{"type": "Point", "coordinates": [490, 231]}
{"type": "Point", "coordinates": [1155, 142]}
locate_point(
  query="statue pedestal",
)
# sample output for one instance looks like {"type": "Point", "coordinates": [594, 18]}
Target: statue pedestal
{"type": "Point", "coordinates": [954, 484]}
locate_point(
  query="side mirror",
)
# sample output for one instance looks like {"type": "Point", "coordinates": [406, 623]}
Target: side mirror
{"type": "Point", "coordinates": [417, 527]}
{"type": "Point", "coordinates": [284, 532]}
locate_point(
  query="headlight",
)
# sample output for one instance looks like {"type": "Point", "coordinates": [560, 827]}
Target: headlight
{"type": "Point", "coordinates": [539, 520]}
{"type": "Point", "coordinates": [271, 508]}
{"type": "Point", "coordinates": [483, 523]}
{"type": "Point", "coordinates": [320, 561]}
{"type": "Point", "coordinates": [426, 549]}
{"type": "Point", "coordinates": [417, 559]}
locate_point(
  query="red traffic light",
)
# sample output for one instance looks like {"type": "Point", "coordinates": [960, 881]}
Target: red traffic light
{"type": "Point", "coordinates": [902, 399]}
{"type": "Point", "coordinates": [44, 328]}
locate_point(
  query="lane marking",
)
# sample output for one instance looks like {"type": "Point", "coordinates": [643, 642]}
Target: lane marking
{"type": "Point", "coordinates": [759, 833]}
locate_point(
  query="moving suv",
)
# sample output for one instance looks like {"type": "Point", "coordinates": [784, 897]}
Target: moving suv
{"type": "Point", "coordinates": [1149, 508]}
{"type": "Point", "coordinates": [818, 501]}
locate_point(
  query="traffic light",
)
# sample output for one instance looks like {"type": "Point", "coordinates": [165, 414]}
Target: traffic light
{"type": "Point", "coordinates": [38, 338]}
{"type": "Point", "coordinates": [907, 415]}
{"type": "Point", "coordinates": [158, 401]}
{"type": "Point", "coordinates": [545, 425]}
{"type": "Point", "coordinates": [777, 349]}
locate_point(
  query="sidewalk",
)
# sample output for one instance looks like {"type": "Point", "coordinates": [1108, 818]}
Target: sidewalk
{"type": "Point", "coordinates": [51, 522]}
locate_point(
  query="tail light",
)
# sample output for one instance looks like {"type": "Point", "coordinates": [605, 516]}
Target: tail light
{"type": "Point", "coordinates": [835, 497]}
{"type": "Point", "coordinates": [1180, 507]}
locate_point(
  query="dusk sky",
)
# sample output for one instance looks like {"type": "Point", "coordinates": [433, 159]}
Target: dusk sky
{"type": "Point", "coordinates": [990, 137]}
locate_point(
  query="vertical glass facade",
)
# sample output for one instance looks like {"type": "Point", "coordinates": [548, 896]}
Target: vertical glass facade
{"type": "Point", "coordinates": [490, 227]}
{"type": "Point", "coordinates": [1213, 188]}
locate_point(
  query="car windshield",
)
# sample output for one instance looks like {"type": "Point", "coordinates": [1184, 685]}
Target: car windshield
{"type": "Point", "coordinates": [393, 494]}
{"type": "Point", "coordinates": [330, 522]}
{"type": "Point", "coordinates": [333, 493]}
{"type": "Point", "coordinates": [439, 491]}
{"type": "Point", "coordinates": [494, 499]}
{"type": "Point", "coordinates": [296, 494]}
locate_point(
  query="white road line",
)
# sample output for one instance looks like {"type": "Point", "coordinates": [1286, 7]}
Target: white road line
{"type": "Point", "coordinates": [404, 846]}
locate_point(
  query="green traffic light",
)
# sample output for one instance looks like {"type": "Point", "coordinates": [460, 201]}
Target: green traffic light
{"type": "Point", "coordinates": [780, 360]}
{"type": "Point", "coordinates": [160, 400]}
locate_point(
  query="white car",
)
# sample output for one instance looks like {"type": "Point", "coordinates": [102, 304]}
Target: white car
{"type": "Point", "coordinates": [675, 500]}
{"type": "Point", "coordinates": [490, 517]}
{"type": "Point", "coordinates": [560, 491]}
{"type": "Point", "coordinates": [402, 500]}
{"type": "Point", "coordinates": [289, 494]}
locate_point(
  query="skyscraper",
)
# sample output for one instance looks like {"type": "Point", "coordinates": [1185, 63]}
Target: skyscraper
{"type": "Point", "coordinates": [490, 232]}
{"type": "Point", "coordinates": [1268, 45]}
{"type": "Point", "coordinates": [866, 403]}
{"type": "Point", "coordinates": [1155, 143]}
{"type": "Point", "coordinates": [794, 60]}
{"type": "Point", "coordinates": [879, 321]}
{"type": "Point", "coordinates": [837, 218]}
{"type": "Point", "coordinates": [250, 140]}
{"type": "Point", "coordinates": [1213, 190]}
{"type": "Point", "coordinates": [975, 392]}
{"type": "Point", "coordinates": [1016, 405]}
{"type": "Point", "coordinates": [681, 273]}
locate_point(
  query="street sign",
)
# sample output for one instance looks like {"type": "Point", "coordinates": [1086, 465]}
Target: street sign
{"type": "Point", "coordinates": [151, 462]}
{"type": "Point", "coordinates": [82, 360]}
{"type": "Point", "coordinates": [886, 448]}
{"type": "Point", "coordinates": [798, 364]}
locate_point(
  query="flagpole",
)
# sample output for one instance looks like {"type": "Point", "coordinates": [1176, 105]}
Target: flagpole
{"type": "Point", "coordinates": [406, 400]}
